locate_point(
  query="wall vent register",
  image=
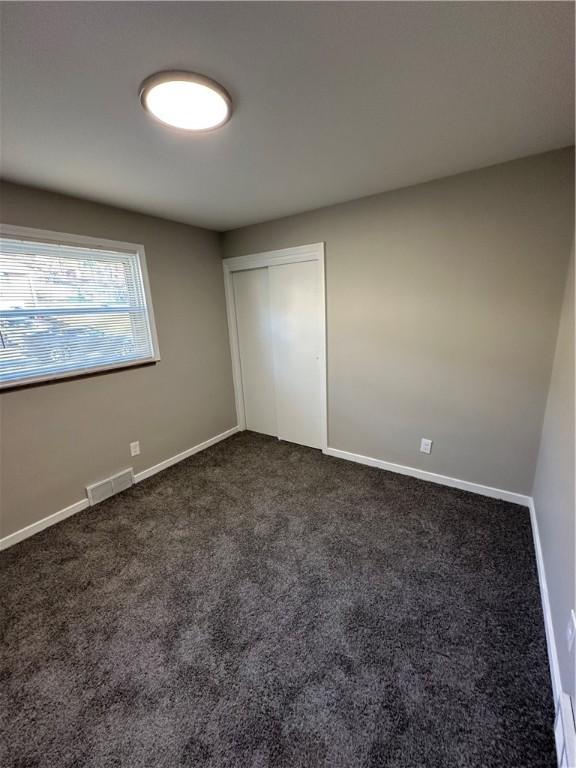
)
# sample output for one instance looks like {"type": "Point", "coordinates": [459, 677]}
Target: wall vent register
{"type": "Point", "coordinates": [70, 306]}
{"type": "Point", "coordinates": [112, 485]}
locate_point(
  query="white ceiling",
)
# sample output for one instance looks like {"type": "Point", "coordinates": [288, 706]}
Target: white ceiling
{"type": "Point", "coordinates": [333, 101]}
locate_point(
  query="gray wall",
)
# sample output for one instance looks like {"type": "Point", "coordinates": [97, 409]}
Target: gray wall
{"type": "Point", "coordinates": [554, 486]}
{"type": "Point", "coordinates": [443, 303]}
{"type": "Point", "coordinates": [57, 438]}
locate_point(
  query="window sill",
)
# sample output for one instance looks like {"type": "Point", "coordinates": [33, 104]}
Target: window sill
{"type": "Point", "coordinates": [75, 376]}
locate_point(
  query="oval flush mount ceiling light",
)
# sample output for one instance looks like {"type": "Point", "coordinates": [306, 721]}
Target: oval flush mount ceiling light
{"type": "Point", "coordinates": [186, 100]}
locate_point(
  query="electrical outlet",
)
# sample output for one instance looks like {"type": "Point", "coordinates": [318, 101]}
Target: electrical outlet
{"type": "Point", "coordinates": [425, 445]}
{"type": "Point", "coordinates": [135, 448]}
{"type": "Point", "coordinates": [571, 631]}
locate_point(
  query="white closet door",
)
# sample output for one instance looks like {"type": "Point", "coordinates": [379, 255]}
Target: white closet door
{"type": "Point", "coordinates": [296, 306]}
{"type": "Point", "coordinates": [252, 299]}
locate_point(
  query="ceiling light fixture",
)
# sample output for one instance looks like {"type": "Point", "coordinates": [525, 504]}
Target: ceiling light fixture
{"type": "Point", "coordinates": [186, 100]}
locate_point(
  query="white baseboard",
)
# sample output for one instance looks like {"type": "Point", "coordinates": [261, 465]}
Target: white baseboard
{"type": "Point", "coordinates": [564, 730]}
{"type": "Point", "coordinates": [432, 477]}
{"type": "Point", "coordinates": [78, 506]}
{"type": "Point", "coordinates": [139, 476]}
{"type": "Point", "coordinates": [550, 639]}
{"type": "Point", "coordinates": [46, 522]}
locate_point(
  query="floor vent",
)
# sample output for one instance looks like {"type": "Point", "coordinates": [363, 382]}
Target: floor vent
{"type": "Point", "coordinates": [106, 488]}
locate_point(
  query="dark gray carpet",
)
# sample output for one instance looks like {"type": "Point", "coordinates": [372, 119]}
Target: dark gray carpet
{"type": "Point", "coordinates": [263, 605]}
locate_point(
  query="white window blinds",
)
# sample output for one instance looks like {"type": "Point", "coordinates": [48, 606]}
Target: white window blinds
{"type": "Point", "coordinates": [67, 309]}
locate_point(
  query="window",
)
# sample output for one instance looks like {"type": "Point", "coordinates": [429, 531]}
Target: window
{"type": "Point", "coordinates": [71, 305]}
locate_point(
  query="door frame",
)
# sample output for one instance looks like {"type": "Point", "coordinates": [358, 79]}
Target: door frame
{"type": "Point", "coordinates": [312, 252]}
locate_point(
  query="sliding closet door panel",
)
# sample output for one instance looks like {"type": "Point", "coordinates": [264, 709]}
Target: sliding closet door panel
{"type": "Point", "coordinates": [296, 304]}
{"type": "Point", "coordinates": [252, 298]}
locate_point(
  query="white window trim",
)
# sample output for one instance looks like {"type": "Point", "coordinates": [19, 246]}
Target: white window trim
{"type": "Point", "coordinates": [65, 238]}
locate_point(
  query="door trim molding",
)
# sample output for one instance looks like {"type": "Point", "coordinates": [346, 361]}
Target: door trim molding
{"type": "Point", "coordinates": [312, 252]}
